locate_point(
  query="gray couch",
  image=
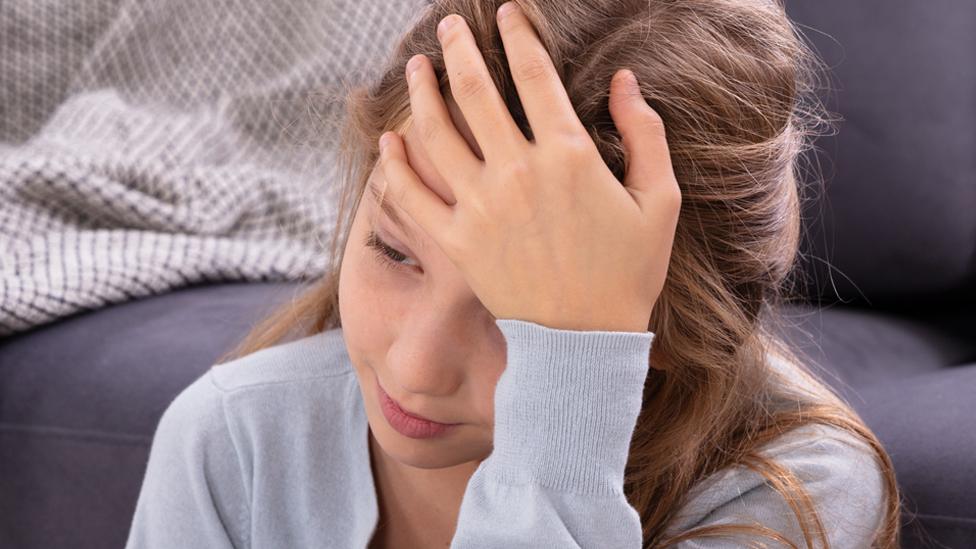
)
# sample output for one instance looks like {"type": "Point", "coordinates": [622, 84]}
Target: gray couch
{"type": "Point", "coordinates": [892, 317]}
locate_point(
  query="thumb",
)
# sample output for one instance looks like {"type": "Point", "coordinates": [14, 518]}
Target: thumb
{"type": "Point", "coordinates": [642, 129]}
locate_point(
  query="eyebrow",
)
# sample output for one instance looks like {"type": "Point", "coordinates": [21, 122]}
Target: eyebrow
{"type": "Point", "coordinates": [389, 209]}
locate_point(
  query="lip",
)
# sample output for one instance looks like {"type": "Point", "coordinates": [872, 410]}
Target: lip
{"type": "Point", "coordinates": [408, 424]}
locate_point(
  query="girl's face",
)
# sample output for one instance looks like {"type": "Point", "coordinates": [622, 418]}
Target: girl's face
{"type": "Point", "coordinates": [412, 325]}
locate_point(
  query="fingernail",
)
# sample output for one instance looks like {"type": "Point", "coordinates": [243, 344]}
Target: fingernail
{"type": "Point", "coordinates": [446, 24]}
{"type": "Point", "coordinates": [631, 81]}
{"type": "Point", "coordinates": [413, 65]}
{"type": "Point", "coordinates": [384, 141]}
{"type": "Point", "coordinates": [506, 9]}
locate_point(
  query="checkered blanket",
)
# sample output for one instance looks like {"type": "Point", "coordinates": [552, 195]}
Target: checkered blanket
{"type": "Point", "coordinates": [147, 145]}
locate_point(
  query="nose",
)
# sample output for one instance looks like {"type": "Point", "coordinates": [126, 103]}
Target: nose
{"type": "Point", "coordinates": [434, 350]}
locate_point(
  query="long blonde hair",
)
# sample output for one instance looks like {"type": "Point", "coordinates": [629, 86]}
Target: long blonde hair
{"type": "Point", "coordinates": [734, 82]}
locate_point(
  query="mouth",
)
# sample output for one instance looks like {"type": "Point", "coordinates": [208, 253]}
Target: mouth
{"type": "Point", "coordinates": [407, 424]}
{"type": "Point", "coordinates": [385, 395]}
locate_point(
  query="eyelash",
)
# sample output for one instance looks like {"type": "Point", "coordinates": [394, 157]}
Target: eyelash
{"type": "Point", "coordinates": [387, 256]}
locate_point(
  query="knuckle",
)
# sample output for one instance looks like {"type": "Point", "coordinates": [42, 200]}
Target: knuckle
{"type": "Point", "coordinates": [616, 99]}
{"type": "Point", "coordinates": [392, 188]}
{"type": "Point", "coordinates": [576, 143]}
{"type": "Point", "coordinates": [428, 128]}
{"type": "Point", "coordinates": [652, 123]}
{"type": "Point", "coordinates": [400, 195]}
{"type": "Point", "coordinates": [516, 170]}
{"type": "Point", "coordinates": [533, 68]}
{"type": "Point", "coordinates": [676, 197]}
{"type": "Point", "coordinates": [470, 85]}
{"type": "Point", "coordinates": [670, 198]}
{"type": "Point", "coordinates": [573, 147]}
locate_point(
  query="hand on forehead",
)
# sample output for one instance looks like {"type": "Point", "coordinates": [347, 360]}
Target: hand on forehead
{"type": "Point", "coordinates": [421, 163]}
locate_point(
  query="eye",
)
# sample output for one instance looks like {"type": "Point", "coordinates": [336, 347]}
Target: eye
{"type": "Point", "coordinates": [386, 255]}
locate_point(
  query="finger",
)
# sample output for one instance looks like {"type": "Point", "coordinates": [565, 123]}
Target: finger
{"type": "Point", "coordinates": [407, 191]}
{"type": "Point", "coordinates": [484, 109]}
{"type": "Point", "coordinates": [542, 93]}
{"type": "Point", "coordinates": [649, 169]}
{"type": "Point", "coordinates": [447, 149]}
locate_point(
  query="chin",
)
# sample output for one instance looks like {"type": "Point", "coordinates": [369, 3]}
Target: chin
{"type": "Point", "coordinates": [426, 453]}
{"type": "Point", "coordinates": [422, 454]}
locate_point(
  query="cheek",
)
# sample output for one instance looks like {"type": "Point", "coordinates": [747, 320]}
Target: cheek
{"type": "Point", "coordinates": [485, 380]}
{"type": "Point", "coordinates": [369, 299]}
{"type": "Point", "coordinates": [372, 286]}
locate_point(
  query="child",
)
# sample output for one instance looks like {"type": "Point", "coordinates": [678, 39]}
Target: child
{"type": "Point", "coordinates": [480, 372]}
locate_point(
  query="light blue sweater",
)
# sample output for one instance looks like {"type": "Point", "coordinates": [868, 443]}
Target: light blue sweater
{"type": "Point", "coordinates": [270, 451]}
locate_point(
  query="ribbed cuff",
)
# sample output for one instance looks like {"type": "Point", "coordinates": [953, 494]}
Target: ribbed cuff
{"type": "Point", "coordinates": [566, 406]}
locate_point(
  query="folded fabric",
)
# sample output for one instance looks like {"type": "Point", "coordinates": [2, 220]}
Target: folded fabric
{"type": "Point", "coordinates": [146, 146]}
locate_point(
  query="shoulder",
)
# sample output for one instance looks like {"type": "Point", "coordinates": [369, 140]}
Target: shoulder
{"type": "Point", "coordinates": [320, 355]}
{"type": "Point", "coordinates": [266, 427]}
{"type": "Point", "coordinates": [208, 442]}
{"type": "Point", "coordinates": [204, 403]}
{"type": "Point", "coordinates": [837, 469]}
{"type": "Point", "coordinates": [240, 404]}
{"type": "Point", "coordinates": [194, 418]}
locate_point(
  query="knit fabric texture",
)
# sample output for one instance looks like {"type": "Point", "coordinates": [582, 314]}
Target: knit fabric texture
{"type": "Point", "coordinates": [272, 450]}
{"type": "Point", "coordinates": [146, 146]}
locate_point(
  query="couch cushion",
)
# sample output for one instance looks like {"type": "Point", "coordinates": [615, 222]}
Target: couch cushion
{"type": "Point", "coordinates": [912, 379]}
{"type": "Point", "coordinates": [80, 399]}
{"type": "Point", "coordinates": [857, 347]}
{"type": "Point", "coordinates": [926, 424]}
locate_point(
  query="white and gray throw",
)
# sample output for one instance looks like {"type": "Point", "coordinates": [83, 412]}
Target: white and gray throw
{"type": "Point", "coordinates": [147, 145]}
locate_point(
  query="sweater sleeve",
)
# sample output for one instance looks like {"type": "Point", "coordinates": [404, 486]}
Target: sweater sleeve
{"type": "Point", "coordinates": [192, 494]}
{"type": "Point", "coordinates": [566, 406]}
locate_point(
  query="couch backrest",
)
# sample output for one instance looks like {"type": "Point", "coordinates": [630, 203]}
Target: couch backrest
{"type": "Point", "coordinates": [897, 218]}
